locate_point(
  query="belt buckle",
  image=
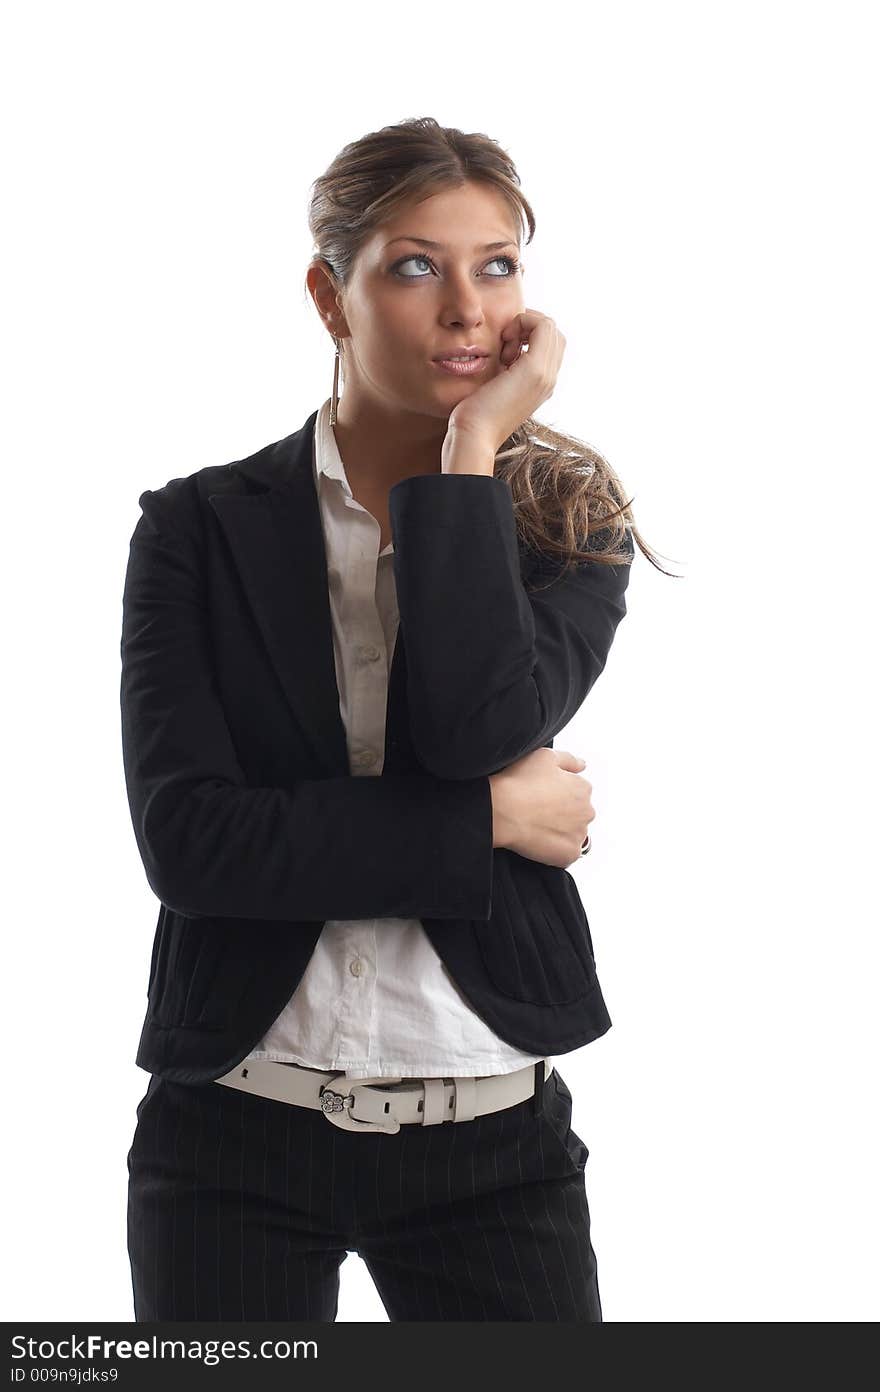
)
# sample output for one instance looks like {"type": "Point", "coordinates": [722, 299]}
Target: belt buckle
{"type": "Point", "coordinates": [333, 1105]}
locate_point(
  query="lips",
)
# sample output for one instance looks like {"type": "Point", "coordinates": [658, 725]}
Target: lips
{"type": "Point", "coordinates": [461, 353]}
{"type": "Point", "coordinates": [465, 367]}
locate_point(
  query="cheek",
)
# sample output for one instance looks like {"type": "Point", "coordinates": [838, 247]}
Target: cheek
{"type": "Point", "coordinates": [396, 337]}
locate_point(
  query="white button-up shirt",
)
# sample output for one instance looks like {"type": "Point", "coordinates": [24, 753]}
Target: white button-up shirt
{"type": "Point", "coordinates": [375, 999]}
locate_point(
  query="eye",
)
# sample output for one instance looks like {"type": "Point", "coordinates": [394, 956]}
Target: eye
{"type": "Point", "coordinates": [397, 265]}
{"type": "Point", "coordinates": [510, 261]}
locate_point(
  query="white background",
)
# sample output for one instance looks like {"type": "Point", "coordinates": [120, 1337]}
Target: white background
{"type": "Point", "coordinates": [704, 183]}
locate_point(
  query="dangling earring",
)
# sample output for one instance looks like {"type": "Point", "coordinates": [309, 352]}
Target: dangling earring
{"type": "Point", "coordinates": [334, 396]}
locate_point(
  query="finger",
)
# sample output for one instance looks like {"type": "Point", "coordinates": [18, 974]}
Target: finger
{"type": "Point", "coordinates": [510, 353]}
{"type": "Point", "coordinates": [569, 761]}
{"type": "Point", "coordinates": [522, 324]}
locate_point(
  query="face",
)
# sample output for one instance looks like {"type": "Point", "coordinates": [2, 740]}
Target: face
{"type": "Point", "coordinates": [406, 303]}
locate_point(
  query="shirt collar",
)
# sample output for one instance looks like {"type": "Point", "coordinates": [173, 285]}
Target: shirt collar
{"type": "Point", "coordinates": [328, 460]}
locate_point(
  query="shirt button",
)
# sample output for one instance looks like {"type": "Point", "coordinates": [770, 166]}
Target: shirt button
{"type": "Point", "coordinates": [355, 967]}
{"type": "Point", "coordinates": [369, 652]}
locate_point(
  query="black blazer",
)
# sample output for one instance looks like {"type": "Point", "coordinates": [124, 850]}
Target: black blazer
{"type": "Point", "coordinates": [251, 829]}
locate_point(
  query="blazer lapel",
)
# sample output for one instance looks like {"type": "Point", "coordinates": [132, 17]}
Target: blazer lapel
{"type": "Point", "coordinates": [277, 543]}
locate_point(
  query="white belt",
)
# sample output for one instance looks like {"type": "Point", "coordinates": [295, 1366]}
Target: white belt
{"type": "Point", "coordinates": [383, 1104]}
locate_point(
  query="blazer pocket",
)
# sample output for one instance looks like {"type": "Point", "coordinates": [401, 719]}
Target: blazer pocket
{"type": "Point", "coordinates": [197, 980]}
{"type": "Point", "coordinates": [536, 946]}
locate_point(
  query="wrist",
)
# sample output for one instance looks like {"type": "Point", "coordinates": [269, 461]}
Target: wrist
{"type": "Point", "coordinates": [464, 453]}
{"type": "Point", "coordinates": [502, 822]}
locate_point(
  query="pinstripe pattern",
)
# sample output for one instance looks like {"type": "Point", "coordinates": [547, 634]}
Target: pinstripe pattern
{"type": "Point", "coordinates": [243, 1208]}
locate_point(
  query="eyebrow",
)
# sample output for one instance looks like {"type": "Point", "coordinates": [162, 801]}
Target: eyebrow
{"type": "Point", "coordinates": [438, 246]}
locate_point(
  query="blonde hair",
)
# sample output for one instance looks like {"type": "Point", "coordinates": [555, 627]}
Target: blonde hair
{"type": "Point", "coordinates": [565, 492]}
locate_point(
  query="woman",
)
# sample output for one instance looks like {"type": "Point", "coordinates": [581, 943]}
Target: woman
{"type": "Point", "coordinates": [340, 686]}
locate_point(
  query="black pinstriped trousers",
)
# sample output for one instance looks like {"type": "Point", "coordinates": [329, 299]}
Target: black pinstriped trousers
{"type": "Point", "coordinates": [243, 1208]}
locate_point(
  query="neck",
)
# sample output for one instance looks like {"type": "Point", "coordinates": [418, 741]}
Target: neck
{"type": "Point", "coordinates": [379, 447]}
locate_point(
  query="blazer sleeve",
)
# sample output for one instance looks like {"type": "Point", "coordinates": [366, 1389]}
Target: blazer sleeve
{"type": "Point", "coordinates": [493, 671]}
{"type": "Point", "coordinates": [211, 844]}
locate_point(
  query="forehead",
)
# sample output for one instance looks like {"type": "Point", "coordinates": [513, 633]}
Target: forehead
{"type": "Point", "coordinates": [468, 220]}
